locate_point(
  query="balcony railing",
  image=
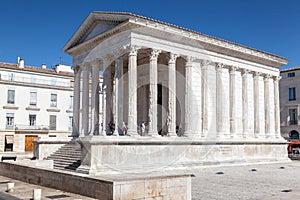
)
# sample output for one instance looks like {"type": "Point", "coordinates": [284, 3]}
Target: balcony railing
{"type": "Point", "coordinates": [28, 127]}
{"type": "Point", "coordinates": [66, 83]}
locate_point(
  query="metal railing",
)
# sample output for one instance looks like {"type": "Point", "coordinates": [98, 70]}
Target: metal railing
{"type": "Point", "coordinates": [49, 82]}
{"type": "Point", "coordinates": [28, 127]}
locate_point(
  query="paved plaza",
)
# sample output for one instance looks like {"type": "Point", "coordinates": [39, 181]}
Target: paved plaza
{"type": "Point", "coordinates": [263, 181]}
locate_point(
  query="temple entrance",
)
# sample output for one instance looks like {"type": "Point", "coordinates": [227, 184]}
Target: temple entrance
{"type": "Point", "coordinates": [294, 135]}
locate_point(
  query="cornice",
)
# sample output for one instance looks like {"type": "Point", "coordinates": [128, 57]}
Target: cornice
{"type": "Point", "coordinates": [125, 18]}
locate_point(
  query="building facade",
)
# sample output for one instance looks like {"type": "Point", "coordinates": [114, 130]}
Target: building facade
{"type": "Point", "coordinates": [35, 102]}
{"type": "Point", "coordinates": [183, 85]}
{"type": "Point", "coordinates": [290, 103]}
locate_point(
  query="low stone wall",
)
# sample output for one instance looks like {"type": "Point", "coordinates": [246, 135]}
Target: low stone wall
{"type": "Point", "coordinates": [106, 188]}
{"type": "Point", "coordinates": [45, 147]}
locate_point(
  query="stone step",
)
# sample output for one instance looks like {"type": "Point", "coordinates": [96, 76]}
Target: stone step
{"type": "Point", "coordinates": [64, 159]}
{"type": "Point", "coordinates": [66, 154]}
{"type": "Point", "coordinates": [67, 157]}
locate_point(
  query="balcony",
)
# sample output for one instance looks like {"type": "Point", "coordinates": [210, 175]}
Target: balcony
{"type": "Point", "coordinates": [27, 127]}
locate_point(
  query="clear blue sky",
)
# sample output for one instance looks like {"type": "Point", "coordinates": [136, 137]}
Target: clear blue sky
{"type": "Point", "coordinates": [37, 30]}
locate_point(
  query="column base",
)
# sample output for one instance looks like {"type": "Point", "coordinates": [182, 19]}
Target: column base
{"type": "Point", "coordinates": [154, 134]}
{"type": "Point", "coordinates": [172, 134]}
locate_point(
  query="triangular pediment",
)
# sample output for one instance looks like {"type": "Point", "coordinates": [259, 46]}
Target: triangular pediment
{"type": "Point", "coordinates": [98, 28]}
{"type": "Point", "coordinates": [96, 24]}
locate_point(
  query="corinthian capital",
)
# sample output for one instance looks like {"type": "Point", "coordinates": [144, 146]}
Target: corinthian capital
{"type": "Point", "coordinates": [172, 58]}
{"type": "Point", "coordinates": [206, 62]}
{"type": "Point", "coordinates": [132, 49]}
{"type": "Point", "coordinates": [154, 54]}
{"type": "Point", "coordinates": [189, 60]}
{"type": "Point", "coordinates": [220, 66]}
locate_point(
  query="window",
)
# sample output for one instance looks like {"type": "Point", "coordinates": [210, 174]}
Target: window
{"type": "Point", "coordinates": [9, 120]}
{"type": "Point", "coordinates": [292, 94]}
{"type": "Point", "coordinates": [53, 81]}
{"type": "Point", "coordinates": [71, 101]}
{"type": "Point", "coordinates": [11, 97]}
{"type": "Point", "coordinates": [33, 79]}
{"type": "Point", "coordinates": [32, 121]}
{"type": "Point", "coordinates": [291, 74]}
{"type": "Point", "coordinates": [293, 116]}
{"type": "Point", "coordinates": [70, 123]}
{"type": "Point", "coordinates": [33, 100]}
{"type": "Point", "coordinates": [52, 122]}
{"type": "Point", "coordinates": [53, 100]}
{"type": "Point", "coordinates": [11, 77]}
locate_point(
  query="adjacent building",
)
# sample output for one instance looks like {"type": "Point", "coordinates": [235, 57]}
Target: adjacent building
{"type": "Point", "coordinates": [34, 102]}
{"type": "Point", "coordinates": [290, 103]}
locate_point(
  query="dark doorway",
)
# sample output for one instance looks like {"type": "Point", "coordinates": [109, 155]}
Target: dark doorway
{"type": "Point", "coordinates": [159, 108]}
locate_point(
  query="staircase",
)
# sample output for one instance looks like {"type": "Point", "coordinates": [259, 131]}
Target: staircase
{"type": "Point", "coordinates": [67, 157]}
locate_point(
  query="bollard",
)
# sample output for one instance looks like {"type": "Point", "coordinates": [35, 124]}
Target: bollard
{"type": "Point", "coordinates": [10, 187]}
{"type": "Point", "coordinates": [37, 194]}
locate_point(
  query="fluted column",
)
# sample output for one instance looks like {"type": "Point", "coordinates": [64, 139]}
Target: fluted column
{"type": "Point", "coordinates": [245, 117]}
{"type": "Point", "coordinates": [132, 91]}
{"type": "Point", "coordinates": [171, 120]}
{"type": "Point", "coordinates": [119, 94]}
{"type": "Point", "coordinates": [108, 92]}
{"type": "Point", "coordinates": [188, 96]}
{"type": "Point", "coordinates": [76, 102]}
{"type": "Point", "coordinates": [95, 98]}
{"type": "Point", "coordinates": [232, 96]}
{"type": "Point", "coordinates": [276, 107]}
{"type": "Point", "coordinates": [267, 105]}
{"type": "Point", "coordinates": [153, 93]}
{"type": "Point", "coordinates": [256, 104]}
{"type": "Point", "coordinates": [85, 99]}
{"type": "Point", "coordinates": [219, 99]}
{"type": "Point", "coordinates": [204, 66]}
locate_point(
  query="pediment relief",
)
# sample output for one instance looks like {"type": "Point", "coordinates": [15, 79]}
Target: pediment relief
{"type": "Point", "coordinates": [98, 28]}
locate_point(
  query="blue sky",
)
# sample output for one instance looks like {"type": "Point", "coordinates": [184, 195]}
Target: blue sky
{"type": "Point", "coordinates": [37, 30]}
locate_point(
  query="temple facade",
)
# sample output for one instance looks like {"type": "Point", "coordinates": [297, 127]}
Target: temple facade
{"type": "Point", "coordinates": [178, 82]}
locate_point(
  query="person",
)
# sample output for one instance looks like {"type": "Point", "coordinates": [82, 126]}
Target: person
{"type": "Point", "coordinates": [143, 127]}
{"type": "Point", "coordinates": [124, 128]}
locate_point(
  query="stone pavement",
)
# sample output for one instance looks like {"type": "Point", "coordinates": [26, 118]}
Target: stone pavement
{"type": "Point", "coordinates": [263, 181]}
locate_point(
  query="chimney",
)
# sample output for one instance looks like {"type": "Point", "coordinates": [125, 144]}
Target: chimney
{"type": "Point", "coordinates": [21, 63]}
{"type": "Point", "coordinates": [44, 66]}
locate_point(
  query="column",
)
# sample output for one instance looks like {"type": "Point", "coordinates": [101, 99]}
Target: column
{"type": "Point", "coordinates": [85, 99]}
{"type": "Point", "coordinates": [276, 106]}
{"type": "Point", "coordinates": [256, 104]}
{"type": "Point", "coordinates": [188, 96]}
{"type": "Point", "coordinates": [165, 101]}
{"type": "Point", "coordinates": [232, 96]}
{"type": "Point", "coordinates": [245, 119]}
{"type": "Point", "coordinates": [95, 98]}
{"type": "Point", "coordinates": [267, 105]}
{"type": "Point", "coordinates": [220, 99]}
{"type": "Point", "coordinates": [204, 131]}
{"type": "Point", "coordinates": [171, 120]}
{"type": "Point", "coordinates": [119, 94]}
{"type": "Point", "coordinates": [108, 96]}
{"type": "Point", "coordinates": [132, 91]}
{"type": "Point", "coordinates": [153, 93]}
{"type": "Point", "coordinates": [76, 102]}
